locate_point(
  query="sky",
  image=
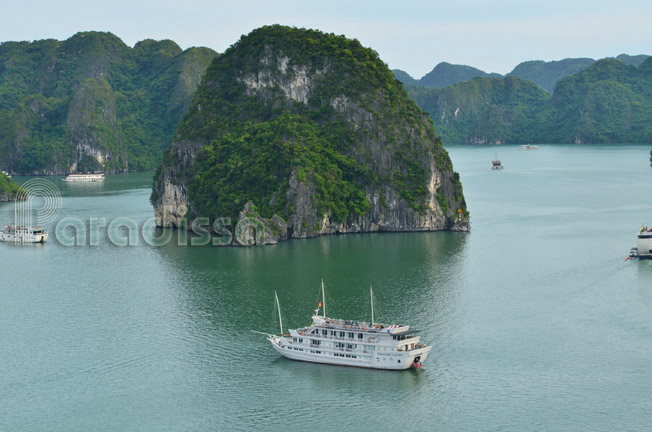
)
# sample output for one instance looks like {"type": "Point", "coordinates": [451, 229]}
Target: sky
{"type": "Point", "coordinates": [413, 36]}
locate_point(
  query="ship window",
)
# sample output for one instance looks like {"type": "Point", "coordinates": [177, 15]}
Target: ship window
{"type": "Point", "coordinates": [300, 340]}
{"type": "Point", "coordinates": [399, 361]}
{"type": "Point", "coordinates": [294, 339]}
{"type": "Point", "coordinates": [359, 335]}
{"type": "Point", "coordinates": [351, 335]}
{"type": "Point", "coordinates": [324, 332]}
{"type": "Point", "coordinates": [342, 334]}
{"type": "Point", "coordinates": [332, 332]}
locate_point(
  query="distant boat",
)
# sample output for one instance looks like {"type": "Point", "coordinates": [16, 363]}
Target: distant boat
{"type": "Point", "coordinates": [351, 343]}
{"type": "Point", "coordinates": [529, 147]}
{"type": "Point", "coordinates": [6, 173]}
{"type": "Point", "coordinates": [496, 164]}
{"type": "Point", "coordinates": [84, 178]}
{"type": "Point", "coordinates": [643, 247]}
{"type": "Point", "coordinates": [23, 234]}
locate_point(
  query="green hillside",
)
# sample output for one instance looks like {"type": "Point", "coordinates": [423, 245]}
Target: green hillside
{"type": "Point", "coordinates": [91, 102]}
{"type": "Point", "coordinates": [607, 102]}
{"type": "Point", "coordinates": [315, 132]}
{"type": "Point", "coordinates": [546, 74]}
{"type": "Point", "coordinates": [8, 189]}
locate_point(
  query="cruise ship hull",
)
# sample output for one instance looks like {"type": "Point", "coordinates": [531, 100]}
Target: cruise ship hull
{"type": "Point", "coordinates": [644, 245]}
{"type": "Point", "coordinates": [387, 359]}
{"type": "Point", "coordinates": [23, 238]}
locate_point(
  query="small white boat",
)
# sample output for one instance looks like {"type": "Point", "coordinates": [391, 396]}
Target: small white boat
{"type": "Point", "coordinates": [643, 247]}
{"type": "Point", "coordinates": [6, 173]}
{"type": "Point", "coordinates": [351, 343]}
{"type": "Point", "coordinates": [529, 147]}
{"type": "Point", "coordinates": [84, 178]}
{"type": "Point", "coordinates": [23, 234]}
{"type": "Point", "coordinates": [496, 164]}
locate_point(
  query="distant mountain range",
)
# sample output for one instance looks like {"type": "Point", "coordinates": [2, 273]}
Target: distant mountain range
{"type": "Point", "coordinates": [608, 101]}
{"type": "Point", "coordinates": [544, 74]}
{"type": "Point", "coordinates": [92, 103]}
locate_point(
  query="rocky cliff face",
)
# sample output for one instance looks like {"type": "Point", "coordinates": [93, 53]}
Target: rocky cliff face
{"type": "Point", "coordinates": [301, 134]}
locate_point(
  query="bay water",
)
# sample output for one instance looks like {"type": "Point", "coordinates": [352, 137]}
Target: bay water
{"type": "Point", "coordinates": [537, 321]}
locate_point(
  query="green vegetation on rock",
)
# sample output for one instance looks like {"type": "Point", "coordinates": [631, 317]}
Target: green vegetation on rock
{"type": "Point", "coordinates": [8, 189]}
{"type": "Point", "coordinates": [484, 110]}
{"type": "Point", "coordinates": [547, 74]}
{"type": "Point", "coordinates": [607, 102]}
{"type": "Point", "coordinates": [443, 75]}
{"type": "Point", "coordinates": [91, 102]}
{"type": "Point", "coordinates": [304, 125]}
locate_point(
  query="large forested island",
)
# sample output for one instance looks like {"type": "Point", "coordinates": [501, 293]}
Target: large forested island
{"type": "Point", "coordinates": [91, 103]}
{"type": "Point", "coordinates": [608, 101]}
{"type": "Point", "coordinates": [307, 133]}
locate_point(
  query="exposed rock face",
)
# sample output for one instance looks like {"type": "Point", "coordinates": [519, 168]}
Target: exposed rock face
{"type": "Point", "coordinates": [91, 111]}
{"type": "Point", "coordinates": [384, 146]}
{"type": "Point", "coordinates": [171, 189]}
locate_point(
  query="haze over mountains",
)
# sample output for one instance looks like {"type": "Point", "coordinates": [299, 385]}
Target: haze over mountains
{"type": "Point", "coordinates": [545, 74]}
{"type": "Point", "coordinates": [607, 102]}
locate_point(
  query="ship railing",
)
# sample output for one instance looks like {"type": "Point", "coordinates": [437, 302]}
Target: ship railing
{"type": "Point", "coordinates": [407, 348]}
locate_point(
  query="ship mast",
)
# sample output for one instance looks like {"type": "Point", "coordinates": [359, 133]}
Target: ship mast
{"type": "Point", "coordinates": [371, 294]}
{"type": "Point", "coordinates": [280, 320]}
{"type": "Point", "coordinates": [323, 297]}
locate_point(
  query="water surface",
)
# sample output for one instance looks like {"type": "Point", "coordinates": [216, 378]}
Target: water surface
{"type": "Point", "coordinates": [536, 320]}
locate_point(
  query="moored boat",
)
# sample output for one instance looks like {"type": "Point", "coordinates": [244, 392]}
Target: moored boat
{"type": "Point", "coordinates": [351, 343]}
{"type": "Point", "coordinates": [84, 178]}
{"type": "Point", "coordinates": [496, 164]}
{"type": "Point", "coordinates": [643, 247]}
{"type": "Point", "coordinates": [23, 234]}
{"type": "Point", "coordinates": [529, 147]}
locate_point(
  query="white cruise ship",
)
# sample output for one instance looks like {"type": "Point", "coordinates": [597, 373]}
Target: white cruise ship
{"type": "Point", "coordinates": [643, 247]}
{"type": "Point", "coordinates": [351, 343]}
{"type": "Point", "coordinates": [84, 178]}
{"type": "Point", "coordinates": [23, 234]}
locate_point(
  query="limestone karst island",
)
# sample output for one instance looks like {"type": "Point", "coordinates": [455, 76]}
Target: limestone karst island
{"type": "Point", "coordinates": [309, 134]}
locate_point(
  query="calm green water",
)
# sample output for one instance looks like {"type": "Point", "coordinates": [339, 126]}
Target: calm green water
{"type": "Point", "coordinates": [536, 320]}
